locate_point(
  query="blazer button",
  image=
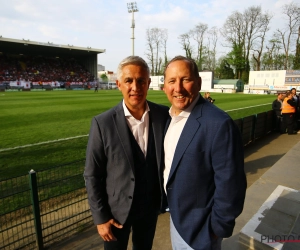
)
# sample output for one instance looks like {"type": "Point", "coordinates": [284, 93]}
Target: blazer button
{"type": "Point", "coordinates": [132, 179]}
{"type": "Point", "coordinates": [130, 197]}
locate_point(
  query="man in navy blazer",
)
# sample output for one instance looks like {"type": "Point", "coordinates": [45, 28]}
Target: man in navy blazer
{"type": "Point", "coordinates": [204, 174]}
{"type": "Point", "coordinates": [124, 162]}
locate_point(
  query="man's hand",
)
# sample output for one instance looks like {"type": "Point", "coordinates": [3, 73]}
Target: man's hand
{"type": "Point", "coordinates": [105, 232]}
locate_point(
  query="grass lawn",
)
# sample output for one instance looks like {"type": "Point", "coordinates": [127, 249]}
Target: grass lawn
{"type": "Point", "coordinates": [34, 117]}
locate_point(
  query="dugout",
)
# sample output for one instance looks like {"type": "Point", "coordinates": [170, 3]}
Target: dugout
{"type": "Point", "coordinates": [233, 84]}
{"type": "Point", "coordinates": [87, 57]}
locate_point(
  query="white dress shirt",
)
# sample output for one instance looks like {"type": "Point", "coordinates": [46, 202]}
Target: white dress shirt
{"type": "Point", "coordinates": [172, 136]}
{"type": "Point", "coordinates": [139, 128]}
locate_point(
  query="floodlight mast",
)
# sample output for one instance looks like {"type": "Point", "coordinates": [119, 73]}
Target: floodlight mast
{"type": "Point", "coordinates": [132, 7]}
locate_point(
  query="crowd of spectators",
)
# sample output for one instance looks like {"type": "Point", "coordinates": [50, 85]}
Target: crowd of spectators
{"type": "Point", "coordinates": [42, 69]}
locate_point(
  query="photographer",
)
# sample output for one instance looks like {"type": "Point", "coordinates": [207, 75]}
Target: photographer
{"type": "Point", "coordinates": [208, 98]}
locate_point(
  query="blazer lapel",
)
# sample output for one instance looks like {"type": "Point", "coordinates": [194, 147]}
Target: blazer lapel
{"type": "Point", "coordinates": [157, 132]}
{"type": "Point", "coordinates": [122, 131]}
{"type": "Point", "coordinates": [190, 129]}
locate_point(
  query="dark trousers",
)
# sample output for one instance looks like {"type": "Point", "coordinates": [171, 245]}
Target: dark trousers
{"type": "Point", "coordinates": [143, 230]}
{"type": "Point", "coordinates": [278, 124]}
{"type": "Point", "coordinates": [289, 122]}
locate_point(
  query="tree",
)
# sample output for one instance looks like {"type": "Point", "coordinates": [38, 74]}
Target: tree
{"type": "Point", "coordinates": [104, 78]}
{"type": "Point", "coordinates": [292, 14]}
{"type": "Point", "coordinates": [234, 32]}
{"type": "Point", "coordinates": [273, 50]}
{"type": "Point", "coordinates": [245, 32]}
{"type": "Point", "coordinates": [212, 51]}
{"type": "Point", "coordinates": [156, 40]}
{"type": "Point", "coordinates": [297, 54]}
{"type": "Point", "coordinates": [164, 42]}
{"type": "Point", "coordinates": [259, 45]}
{"type": "Point", "coordinates": [198, 35]}
{"type": "Point", "coordinates": [150, 48]}
{"type": "Point", "coordinates": [237, 60]}
{"type": "Point", "coordinates": [257, 24]}
{"type": "Point", "coordinates": [186, 44]}
{"type": "Point", "coordinates": [224, 71]}
{"type": "Point", "coordinates": [157, 45]}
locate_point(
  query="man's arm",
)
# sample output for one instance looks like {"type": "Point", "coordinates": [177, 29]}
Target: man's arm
{"type": "Point", "coordinates": [292, 102]}
{"type": "Point", "coordinates": [230, 179]}
{"type": "Point", "coordinates": [95, 179]}
{"type": "Point", "coordinates": [275, 107]}
{"type": "Point", "coordinates": [95, 175]}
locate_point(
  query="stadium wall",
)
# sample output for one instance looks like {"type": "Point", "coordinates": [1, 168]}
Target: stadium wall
{"type": "Point", "coordinates": [272, 81]}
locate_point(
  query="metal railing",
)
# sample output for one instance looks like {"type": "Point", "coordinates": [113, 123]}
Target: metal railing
{"type": "Point", "coordinates": [44, 207]}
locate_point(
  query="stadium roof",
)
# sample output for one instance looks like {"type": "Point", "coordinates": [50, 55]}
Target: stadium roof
{"type": "Point", "coordinates": [15, 46]}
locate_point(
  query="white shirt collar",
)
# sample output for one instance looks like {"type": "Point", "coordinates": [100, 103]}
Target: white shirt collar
{"type": "Point", "coordinates": [128, 114]}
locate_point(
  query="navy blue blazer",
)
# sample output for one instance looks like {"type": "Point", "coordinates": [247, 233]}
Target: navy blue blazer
{"type": "Point", "coordinates": [109, 170]}
{"type": "Point", "coordinates": [207, 183]}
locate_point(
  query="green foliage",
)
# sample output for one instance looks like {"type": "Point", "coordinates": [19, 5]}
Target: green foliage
{"type": "Point", "coordinates": [296, 62]}
{"type": "Point", "coordinates": [245, 76]}
{"type": "Point", "coordinates": [104, 78]}
{"type": "Point", "coordinates": [224, 71]}
{"type": "Point", "coordinates": [237, 59]}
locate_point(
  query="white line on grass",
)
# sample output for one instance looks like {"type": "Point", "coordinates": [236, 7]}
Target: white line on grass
{"type": "Point", "coordinates": [247, 107]}
{"type": "Point", "coordinates": [79, 136]}
{"type": "Point", "coordinates": [41, 143]}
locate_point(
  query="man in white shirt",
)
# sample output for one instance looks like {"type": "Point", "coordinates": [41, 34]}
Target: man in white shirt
{"type": "Point", "coordinates": [124, 162]}
{"type": "Point", "coordinates": [204, 176]}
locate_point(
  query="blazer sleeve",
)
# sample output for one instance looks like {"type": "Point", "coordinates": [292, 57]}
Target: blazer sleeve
{"type": "Point", "coordinates": [95, 175]}
{"type": "Point", "coordinates": [230, 179]}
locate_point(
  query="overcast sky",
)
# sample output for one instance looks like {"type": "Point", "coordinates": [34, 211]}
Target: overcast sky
{"type": "Point", "coordinates": [106, 24]}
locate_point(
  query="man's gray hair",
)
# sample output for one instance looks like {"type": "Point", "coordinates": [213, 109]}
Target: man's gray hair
{"type": "Point", "coordinates": [131, 60]}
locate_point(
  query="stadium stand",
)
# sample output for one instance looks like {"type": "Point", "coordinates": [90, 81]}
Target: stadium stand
{"type": "Point", "coordinates": [26, 64]}
{"type": "Point", "coordinates": [40, 69]}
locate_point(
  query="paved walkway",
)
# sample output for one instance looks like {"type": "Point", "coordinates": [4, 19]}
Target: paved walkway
{"type": "Point", "coordinates": [259, 157]}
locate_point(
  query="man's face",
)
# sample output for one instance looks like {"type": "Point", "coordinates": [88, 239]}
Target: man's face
{"type": "Point", "coordinates": [134, 84]}
{"type": "Point", "coordinates": [181, 86]}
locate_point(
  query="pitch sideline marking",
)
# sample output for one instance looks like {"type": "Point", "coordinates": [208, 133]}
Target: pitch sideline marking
{"type": "Point", "coordinates": [247, 107]}
{"type": "Point", "coordinates": [45, 142]}
{"type": "Point", "coordinates": [79, 136]}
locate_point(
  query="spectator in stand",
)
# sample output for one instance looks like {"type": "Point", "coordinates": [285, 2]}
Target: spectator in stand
{"type": "Point", "coordinates": [44, 69]}
{"type": "Point", "coordinates": [288, 113]}
{"type": "Point", "coordinates": [277, 107]}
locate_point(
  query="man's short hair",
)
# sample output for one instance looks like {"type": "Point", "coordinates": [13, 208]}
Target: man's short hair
{"type": "Point", "coordinates": [192, 63]}
{"type": "Point", "coordinates": [131, 60]}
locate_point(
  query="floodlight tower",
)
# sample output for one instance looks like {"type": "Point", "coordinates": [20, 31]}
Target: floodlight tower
{"type": "Point", "coordinates": [132, 7]}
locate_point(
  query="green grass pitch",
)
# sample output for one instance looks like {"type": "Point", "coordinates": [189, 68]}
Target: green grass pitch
{"type": "Point", "coordinates": [35, 117]}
